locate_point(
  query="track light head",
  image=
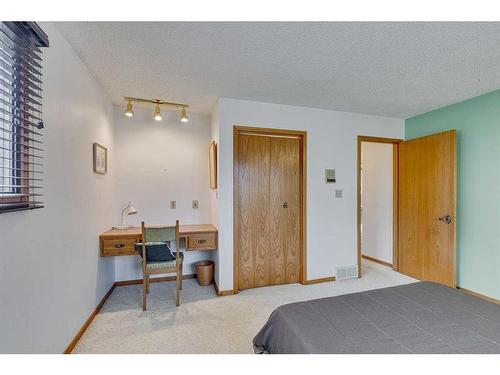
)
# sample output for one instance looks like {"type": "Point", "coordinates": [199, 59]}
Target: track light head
{"type": "Point", "coordinates": [184, 116]}
{"type": "Point", "coordinates": [129, 112]}
{"type": "Point", "coordinates": [157, 114]}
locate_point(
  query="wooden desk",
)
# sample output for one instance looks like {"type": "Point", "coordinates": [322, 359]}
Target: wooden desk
{"type": "Point", "coordinates": [118, 242]}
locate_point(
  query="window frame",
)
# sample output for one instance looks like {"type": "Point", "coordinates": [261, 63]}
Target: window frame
{"type": "Point", "coordinates": [20, 114]}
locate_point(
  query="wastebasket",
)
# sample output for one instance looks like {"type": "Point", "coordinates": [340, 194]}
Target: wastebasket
{"type": "Point", "coordinates": [204, 272]}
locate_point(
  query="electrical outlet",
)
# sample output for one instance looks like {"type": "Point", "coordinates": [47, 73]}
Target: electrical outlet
{"type": "Point", "coordinates": [172, 205]}
{"type": "Point", "coordinates": [338, 193]}
{"type": "Point", "coordinates": [195, 204]}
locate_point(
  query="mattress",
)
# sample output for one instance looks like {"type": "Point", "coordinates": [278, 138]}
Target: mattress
{"type": "Point", "coordinates": [421, 317]}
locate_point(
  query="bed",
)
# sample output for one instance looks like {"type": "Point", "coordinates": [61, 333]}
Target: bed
{"type": "Point", "coordinates": [421, 317]}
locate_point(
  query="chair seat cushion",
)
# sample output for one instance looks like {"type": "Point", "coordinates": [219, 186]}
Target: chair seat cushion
{"type": "Point", "coordinates": [158, 265]}
{"type": "Point", "coordinates": [156, 252]}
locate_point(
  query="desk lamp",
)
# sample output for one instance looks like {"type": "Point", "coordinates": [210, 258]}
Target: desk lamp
{"type": "Point", "coordinates": [128, 210]}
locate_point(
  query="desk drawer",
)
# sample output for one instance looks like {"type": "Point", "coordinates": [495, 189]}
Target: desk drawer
{"type": "Point", "coordinates": [203, 241]}
{"type": "Point", "coordinates": [120, 246]}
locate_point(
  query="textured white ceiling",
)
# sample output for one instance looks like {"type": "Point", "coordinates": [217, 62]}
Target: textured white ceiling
{"type": "Point", "coordinates": [388, 69]}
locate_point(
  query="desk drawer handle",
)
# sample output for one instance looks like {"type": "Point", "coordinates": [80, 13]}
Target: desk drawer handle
{"type": "Point", "coordinates": [202, 241]}
{"type": "Point", "coordinates": [119, 245]}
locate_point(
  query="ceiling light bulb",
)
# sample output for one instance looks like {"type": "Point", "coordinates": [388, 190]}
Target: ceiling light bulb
{"type": "Point", "coordinates": [129, 112]}
{"type": "Point", "coordinates": [184, 116]}
{"type": "Point", "coordinates": [157, 115]}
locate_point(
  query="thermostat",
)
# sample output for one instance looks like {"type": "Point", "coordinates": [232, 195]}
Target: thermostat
{"type": "Point", "coordinates": [330, 176]}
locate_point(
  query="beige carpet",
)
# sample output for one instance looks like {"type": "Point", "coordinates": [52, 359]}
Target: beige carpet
{"type": "Point", "coordinates": [205, 323]}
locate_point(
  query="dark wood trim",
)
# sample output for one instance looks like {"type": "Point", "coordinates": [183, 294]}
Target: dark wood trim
{"type": "Point", "coordinates": [302, 135]}
{"type": "Point", "coordinates": [172, 278]}
{"type": "Point", "coordinates": [395, 142]}
{"type": "Point", "coordinates": [235, 202]}
{"type": "Point", "coordinates": [455, 193]}
{"type": "Point", "coordinates": [154, 280]}
{"type": "Point", "coordinates": [270, 131]}
{"type": "Point", "coordinates": [85, 325]}
{"type": "Point", "coordinates": [478, 295]}
{"type": "Point", "coordinates": [303, 155]}
{"type": "Point", "coordinates": [358, 205]}
{"type": "Point", "coordinates": [222, 293]}
{"type": "Point", "coordinates": [321, 280]}
{"type": "Point", "coordinates": [375, 260]}
{"type": "Point", "coordinates": [395, 206]}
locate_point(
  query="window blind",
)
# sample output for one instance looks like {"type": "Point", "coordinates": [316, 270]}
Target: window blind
{"type": "Point", "coordinates": [21, 124]}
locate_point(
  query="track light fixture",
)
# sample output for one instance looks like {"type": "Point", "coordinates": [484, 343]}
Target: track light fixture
{"type": "Point", "coordinates": [184, 116]}
{"type": "Point", "coordinates": [157, 115]}
{"type": "Point", "coordinates": [129, 112]}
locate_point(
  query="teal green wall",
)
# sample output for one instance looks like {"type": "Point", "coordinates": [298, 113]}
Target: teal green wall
{"type": "Point", "coordinates": [477, 121]}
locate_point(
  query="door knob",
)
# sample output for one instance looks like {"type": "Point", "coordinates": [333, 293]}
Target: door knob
{"type": "Point", "coordinates": [446, 219]}
{"type": "Point", "coordinates": [285, 204]}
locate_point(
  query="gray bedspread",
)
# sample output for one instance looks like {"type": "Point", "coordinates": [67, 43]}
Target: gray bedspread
{"type": "Point", "coordinates": [421, 317]}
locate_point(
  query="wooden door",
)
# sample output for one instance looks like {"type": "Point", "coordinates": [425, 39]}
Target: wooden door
{"type": "Point", "coordinates": [252, 229]}
{"type": "Point", "coordinates": [427, 208]}
{"type": "Point", "coordinates": [267, 210]}
{"type": "Point", "coordinates": [284, 187]}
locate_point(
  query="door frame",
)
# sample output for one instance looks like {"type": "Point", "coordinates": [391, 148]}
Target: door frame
{"type": "Point", "coordinates": [270, 132]}
{"type": "Point", "coordinates": [395, 196]}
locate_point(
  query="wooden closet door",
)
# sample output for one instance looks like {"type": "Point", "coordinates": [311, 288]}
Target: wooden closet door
{"type": "Point", "coordinates": [427, 207]}
{"type": "Point", "coordinates": [284, 257]}
{"type": "Point", "coordinates": [253, 230]}
{"type": "Point", "coordinates": [267, 210]}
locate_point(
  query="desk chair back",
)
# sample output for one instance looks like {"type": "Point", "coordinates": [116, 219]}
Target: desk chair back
{"type": "Point", "coordinates": [161, 234]}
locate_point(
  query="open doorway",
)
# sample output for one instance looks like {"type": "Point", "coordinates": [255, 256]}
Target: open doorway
{"type": "Point", "coordinates": [377, 200]}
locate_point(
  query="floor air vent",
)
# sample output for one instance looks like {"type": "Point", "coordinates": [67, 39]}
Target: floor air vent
{"type": "Point", "coordinates": [347, 272]}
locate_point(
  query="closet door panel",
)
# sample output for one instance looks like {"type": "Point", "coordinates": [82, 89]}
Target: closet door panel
{"type": "Point", "coordinates": [284, 254]}
{"type": "Point", "coordinates": [253, 231]}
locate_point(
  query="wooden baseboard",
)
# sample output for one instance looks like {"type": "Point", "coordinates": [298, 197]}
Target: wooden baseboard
{"type": "Point", "coordinates": [317, 281]}
{"type": "Point", "coordinates": [85, 325]}
{"type": "Point", "coordinates": [154, 280]}
{"type": "Point", "coordinates": [478, 295]}
{"type": "Point", "coordinates": [222, 293]}
{"type": "Point", "coordinates": [376, 261]}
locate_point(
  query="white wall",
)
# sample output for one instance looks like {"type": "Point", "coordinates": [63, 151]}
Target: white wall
{"type": "Point", "coordinates": [51, 274]}
{"type": "Point", "coordinates": [214, 193]}
{"type": "Point", "coordinates": [331, 143]}
{"type": "Point", "coordinates": [156, 162]}
{"type": "Point", "coordinates": [214, 136]}
{"type": "Point", "coordinates": [376, 218]}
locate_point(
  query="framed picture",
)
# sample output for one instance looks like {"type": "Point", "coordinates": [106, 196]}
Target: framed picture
{"type": "Point", "coordinates": [100, 158]}
{"type": "Point", "coordinates": [213, 165]}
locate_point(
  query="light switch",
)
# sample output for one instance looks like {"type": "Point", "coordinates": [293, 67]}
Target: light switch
{"type": "Point", "coordinates": [338, 193]}
{"type": "Point", "coordinates": [172, 205]}
{"type": "Point", "coordinates": [195, 204]}
{"type": "Point", "coordinates": [330, 176]}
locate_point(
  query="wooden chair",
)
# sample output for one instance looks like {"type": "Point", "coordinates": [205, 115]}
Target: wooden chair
{"type": "Point", "coordinates": [157, 236]}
